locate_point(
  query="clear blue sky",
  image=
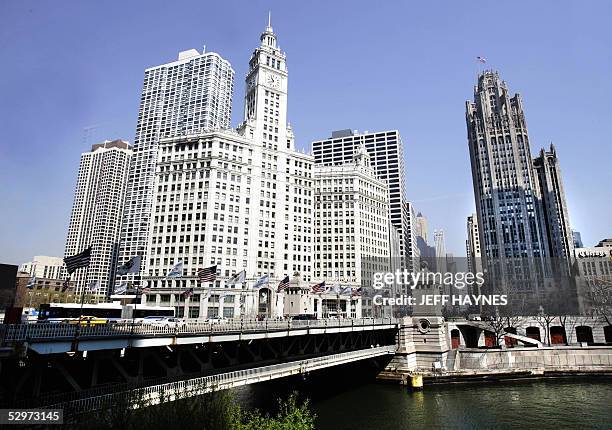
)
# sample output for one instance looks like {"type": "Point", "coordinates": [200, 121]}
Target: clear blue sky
{"type": "Point", "coordinates": [69, 66]}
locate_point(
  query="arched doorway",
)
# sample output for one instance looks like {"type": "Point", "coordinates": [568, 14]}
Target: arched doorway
{"type": "Point", "coordinates": [510, 341]}
{"type": "Point", "coordinates": [533, 333]}
{"type": "Point", "coordinates": [455, 338]}
{"type": "Point", "coordinates": [264, 303]}
{"type": "Point", "coordinates": [557, 335]}
{"type": "Point", "coordinates": [470, 336]}
{"type": "Point", "coordinates": [608, 333]}
{"type": "Point", "coordinates": [584, 333]}
{"type": "Point", "coordinates": [489, 339]}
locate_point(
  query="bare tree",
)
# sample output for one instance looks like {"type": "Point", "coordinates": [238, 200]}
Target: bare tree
{"type": "Point", "coordinates": [601, 300]}
{"type": "Point", "coordinates": [545, 320]}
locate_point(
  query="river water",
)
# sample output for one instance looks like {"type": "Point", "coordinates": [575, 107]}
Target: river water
{"type": "Point", "coordinates": [351, 400]}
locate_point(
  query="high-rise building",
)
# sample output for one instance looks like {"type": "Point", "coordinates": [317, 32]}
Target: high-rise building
{"type": "Point", "coordinates": [386, 152]}
{"type": "Point", "coordinates": [351, 227]}
{"type": "Point", "coordinates": [440, 246]}
{"type": "Point", "coordinates": [427, 253]}
{"type": "Point", "coordinates": [474, 258]}
{"type": "Point", "coordinates": [187, 96]}
{"type": "Point", "coordinates": [43, 266]}
{"type": "Point", "coordinates": [505, 184]}
{"type": "Point", "coordinates": [522, 215]}
{"type": "Point", "coordinates": [422, 228]}
{"type": "Point", "coordinates": [412, 243]}
{"type": "Point", "coordinates": [96, 212]}
{"type": "Point", "coordinates": [242, 200]}
{"type": "Point", "coordinates": [577, 237]}
{"type": "Point", "coordinates": [558, 233]}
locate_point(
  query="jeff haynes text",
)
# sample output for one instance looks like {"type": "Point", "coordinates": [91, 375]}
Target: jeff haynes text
{"type": "Point", "coordinates": [442, 299]}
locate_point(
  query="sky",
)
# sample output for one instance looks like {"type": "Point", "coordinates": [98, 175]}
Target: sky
{"type": "Point", "coordinates": [72, 73]}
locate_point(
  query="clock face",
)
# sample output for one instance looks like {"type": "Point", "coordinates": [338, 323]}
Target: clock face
{"type": "Point", "coordinates": [273, 81]}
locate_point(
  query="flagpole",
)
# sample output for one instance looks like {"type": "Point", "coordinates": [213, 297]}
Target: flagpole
{"type": "Point", "coordinates": [75, 344]}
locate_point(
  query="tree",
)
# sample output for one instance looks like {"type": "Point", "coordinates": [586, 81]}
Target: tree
{"type": "Point", "coordinates": [544, 320]}
{"type": "Point", "coordinates": [601, 299]}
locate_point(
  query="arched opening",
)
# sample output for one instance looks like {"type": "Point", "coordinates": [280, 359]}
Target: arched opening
{"type": "Point", "coordinates": [557, 335]}
{"type": "Point", "coordinates": [584, 333]}
{"type": "Point", "coordinates": [510, 341]}
{"type": "Point", "coordinates": [533, 333]}
{"type": "Point", "coordinates": [264, 303]}
{"type": "Point", "coordinates": [608, 333]}
{"type": "Point", "coordinates": [489, 339]}
{"type": "Point", "coordinates": [455, 338]}
{"type": "Point", "coordinates": [470, 336]}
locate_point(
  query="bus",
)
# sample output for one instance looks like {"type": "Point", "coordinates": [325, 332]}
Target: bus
{"type": "Point", "coordinates": [62, 312]}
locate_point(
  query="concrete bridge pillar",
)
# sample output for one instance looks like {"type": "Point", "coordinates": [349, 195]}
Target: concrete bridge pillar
{"type": "Point", "coordinates": [421, 341]}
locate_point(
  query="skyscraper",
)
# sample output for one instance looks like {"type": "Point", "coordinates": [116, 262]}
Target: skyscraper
{"type": "Point", "coordinates": [96, 212]}
{"type": "Point", "coordinates": [386, 152]}
{"type": "Point", "coordinates": [577, 237]}
{"type": "Point", "coordinates": [239, 199]}
{"type": "Point", "coordinates": [558, 237]}
{"type": "Point", "coordinates": [190, 95]}
{"type": "Point", "coordinates": [505, 184]}
{"type": "Point", "coordinates": [351, 226]}
{"type": "Point", "coordinates": [440, 245]}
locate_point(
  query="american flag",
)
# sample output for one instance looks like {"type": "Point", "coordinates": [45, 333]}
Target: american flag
{"type": "Point", "coordinates": [79, 260]}
{"type": "Point", "coordinates": [283, 284]}
{"type": "Point", "coordinates": [357, 292]}
{"type": "Point", "coordinates": [65, 285]}
{"type": "Point", "coordinates": [187, 293]}
{"type": "Point", "coordinates": [208, 274]}
{"type": "Point", "coordinates": [144, 290]}
{"type": "Point", "coordinates": [481, 59]}
{"type": "Point", "coordinates": [319, 288]}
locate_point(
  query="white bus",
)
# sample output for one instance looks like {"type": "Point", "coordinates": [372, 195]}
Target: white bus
{"type": "Point", "coordinates": [59, 312]}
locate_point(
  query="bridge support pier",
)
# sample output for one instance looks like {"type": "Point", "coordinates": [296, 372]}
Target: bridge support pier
{"type": "Point", "coordinates": [422, 341]}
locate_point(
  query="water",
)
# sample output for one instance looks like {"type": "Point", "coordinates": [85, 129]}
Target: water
{"type": "Point", "coordinates": [528, 405]}
{"type": "Point", "coordinates": [351, 400]}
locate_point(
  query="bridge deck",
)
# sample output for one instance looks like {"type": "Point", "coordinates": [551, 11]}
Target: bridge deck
{"type": "Point", "coordinates": [60, 337]}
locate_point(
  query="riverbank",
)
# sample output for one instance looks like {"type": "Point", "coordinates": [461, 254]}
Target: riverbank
{"type": "Point", "coordinates": [493, 375]}
{"type": "Point", "coordinates": [483, 365]}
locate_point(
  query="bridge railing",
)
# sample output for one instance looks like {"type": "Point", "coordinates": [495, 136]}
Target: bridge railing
{"type": "Point", "coordinates": [45, 331]}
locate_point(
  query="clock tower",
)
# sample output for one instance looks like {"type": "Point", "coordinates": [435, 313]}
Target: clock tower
{"type": "Point", "coordinates": [265, 102]}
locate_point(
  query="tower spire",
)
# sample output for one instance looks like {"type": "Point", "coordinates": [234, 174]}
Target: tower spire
{"type": "Point", "coordinates": [269, 27]}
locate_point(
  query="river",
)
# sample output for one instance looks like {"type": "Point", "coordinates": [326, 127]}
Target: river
{"type": "Point", "coordinates": [351, 400]}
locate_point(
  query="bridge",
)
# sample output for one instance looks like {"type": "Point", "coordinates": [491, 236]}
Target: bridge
{"type": "Point", "coordinates": [83, 367]}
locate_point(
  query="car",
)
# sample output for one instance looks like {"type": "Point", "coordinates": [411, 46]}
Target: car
{"type": "Point", "coordinates": [166, 322]}
{"type": "Point", "coordinates": [307, 317]}
{"type": "Point", "coordinates": [217, 320]}
{"type": "Point", "coordinates": [88, 321]}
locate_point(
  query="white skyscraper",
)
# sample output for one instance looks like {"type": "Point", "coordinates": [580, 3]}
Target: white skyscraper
{"type": "Point", "coordinates": [386, 153]}
{"type": "Point", "coordinates": [351, 226]}
{"type": "Point", "coordinates": [239, 199]}
{"type": "Point", "coordinates": [96, 212]}
{"type": "Point", "coordinates": [187, 96]}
